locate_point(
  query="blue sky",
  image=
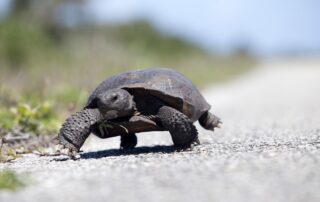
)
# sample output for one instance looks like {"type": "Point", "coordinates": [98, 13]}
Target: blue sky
{"type": "Point", "coordinates": [3, 7]}
{"type": "Point", "coordinates": [268, 27]}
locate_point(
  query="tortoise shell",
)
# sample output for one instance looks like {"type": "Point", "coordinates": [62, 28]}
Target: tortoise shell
{"type": "Point", "coordinates": [168, 85]}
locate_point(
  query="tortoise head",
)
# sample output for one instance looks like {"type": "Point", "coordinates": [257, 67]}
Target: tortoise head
{"type": "Point", "coordinates": [115, 103]}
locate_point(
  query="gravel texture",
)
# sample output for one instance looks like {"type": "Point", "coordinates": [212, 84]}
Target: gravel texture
{"type": "Point", "coordinates": [267, 150]}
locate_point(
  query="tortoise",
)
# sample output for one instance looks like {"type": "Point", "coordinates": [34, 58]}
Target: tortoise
{"type": "Point", "coordinates": [154, 99]}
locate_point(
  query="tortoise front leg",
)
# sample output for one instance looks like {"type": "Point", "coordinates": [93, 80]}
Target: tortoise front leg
{"type": "Point", "coordinates": [76, 129]}
{"type": "Point", "coordinates": [184, 134]}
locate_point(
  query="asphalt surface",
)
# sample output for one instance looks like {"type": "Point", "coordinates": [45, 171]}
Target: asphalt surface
{"type": "Point", "coordinates": [267, 150]}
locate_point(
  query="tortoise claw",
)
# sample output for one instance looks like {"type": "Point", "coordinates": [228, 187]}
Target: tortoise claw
{"type": "Point", "coordinates": [188, 147]}
{"type": "Point", "coordinates": [219, 125]}
{"type": "Point", "coordinates": [61, 149]}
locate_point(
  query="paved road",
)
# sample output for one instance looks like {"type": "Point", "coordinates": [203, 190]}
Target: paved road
{"type": "Point", "coordinates": [268, 150]}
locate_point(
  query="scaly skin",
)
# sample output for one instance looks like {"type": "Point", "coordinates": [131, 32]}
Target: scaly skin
{"type": "Point", "coordinates": [210, 121]}
{"type": "Point", "coordinates": [76, 129]}
{"type": "Point", "coordinates": [184, 134]}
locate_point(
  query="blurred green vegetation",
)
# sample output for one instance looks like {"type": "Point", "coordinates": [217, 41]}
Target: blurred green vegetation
{"type": "Point", "coordinates": [10, 180]}
{"type": "Point", "coordinates": [38, 120]}
{"type": "Point", "coordinates": [43, 60]}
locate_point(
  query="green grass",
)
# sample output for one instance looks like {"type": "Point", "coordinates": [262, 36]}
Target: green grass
{"type": "Point", "coordinates": [10, 180]}
{"type": "Point", "coordinates": [38, 120]}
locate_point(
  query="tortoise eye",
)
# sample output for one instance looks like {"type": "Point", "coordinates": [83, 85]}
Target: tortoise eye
{"type": "Point", "coordinates": [114, 97]}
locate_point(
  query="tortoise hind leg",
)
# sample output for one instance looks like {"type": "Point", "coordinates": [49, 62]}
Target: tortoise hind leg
{"type": "Point", "coordinates": [128, 141]}
{"type": "Point", "coordinates": [210, 121]}
{"type": "Point", "coordinates": [184, 134]}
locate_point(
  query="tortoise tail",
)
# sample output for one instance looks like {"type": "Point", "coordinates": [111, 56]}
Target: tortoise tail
{"type": "Point", "coordinates": [210, 121]}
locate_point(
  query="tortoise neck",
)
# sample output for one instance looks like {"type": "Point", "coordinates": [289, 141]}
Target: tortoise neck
{"type": "Point", "coordinates": [94, 115]}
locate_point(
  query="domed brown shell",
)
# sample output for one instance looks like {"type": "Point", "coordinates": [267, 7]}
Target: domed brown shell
{"type": "Point", "coordinates": [170, 86]}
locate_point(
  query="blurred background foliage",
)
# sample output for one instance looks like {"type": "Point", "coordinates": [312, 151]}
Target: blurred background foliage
{"type": "Point", "coordinates": [10, 180]}
{"type": "Point", "coordinates": [43, 59]}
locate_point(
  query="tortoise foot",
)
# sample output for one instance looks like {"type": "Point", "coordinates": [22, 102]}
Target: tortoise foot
{"type": "Point", "coordinates": [62, 149]}
{"type": "Point", "coordinates": [188, 146]}
{"type": "Point", "coordinates": [128, 141]}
